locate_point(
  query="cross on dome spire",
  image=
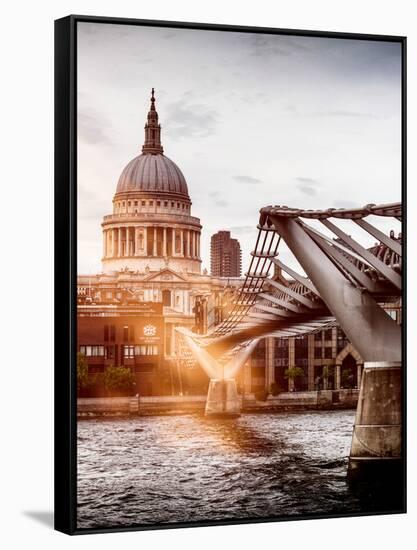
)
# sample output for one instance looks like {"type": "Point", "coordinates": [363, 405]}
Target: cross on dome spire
{"type": "Point", "coordinates": [152, 143]}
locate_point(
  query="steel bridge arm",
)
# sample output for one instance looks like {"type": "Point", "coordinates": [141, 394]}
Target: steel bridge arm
{"type": "Point", "coordinates": [371, 330]}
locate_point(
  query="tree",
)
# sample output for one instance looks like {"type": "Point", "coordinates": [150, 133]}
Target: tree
{"type": "Point", "coordinates": [348, 380]}
{"type": "Point", "coordinates": [327, 374]}
{"type": "Point", "coordinates": [82, 372]}
{"type": "Point", "coordinates": [293, 373]}
{"type": "Point", "coordinates": [119, 381]}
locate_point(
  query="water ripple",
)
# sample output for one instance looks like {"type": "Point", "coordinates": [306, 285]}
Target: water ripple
{"type": "Point", "coordinates": [151, 470]}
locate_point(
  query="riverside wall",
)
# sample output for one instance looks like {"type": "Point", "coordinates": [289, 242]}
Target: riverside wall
{"type": "Point", "coordinates": [158, 405]}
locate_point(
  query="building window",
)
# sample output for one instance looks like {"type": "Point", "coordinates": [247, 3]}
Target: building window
{"type": "Point", "coordinates": [106, 333]}
{"type": "Point", "coordinates": [112, 333]}
{"type": "Point", "coordinates": [128, 352]}
{"type": "Point", "coordinates": [328, 334]}
{"type": "Point", "coordinates": [317, 352]}
{"type": "Point", "coordinates": [328, 352]}
{"type": "Point", "coordinates": [150, 203]}
{"type": "Point", "coordinates": [172, 204]}
{"type": "Point", "coordinates": [143, 203]}
{"type": "Point", "coordinates": [166, 298]}
{"type": "Point", "coordinates": [128, 203]}
{"type": "Point", "coordinates": [110, 352]}
{"type": "Point", "coordinates": [93, 351]}
{"type": "Point", "coordinates": [146, 349]}
{"type": "Point", "coordinates": [136, 203]}
{"type": "Point", "coordinates": [158, 203]}
{"type": "Point", "coordinates": [342, 340]}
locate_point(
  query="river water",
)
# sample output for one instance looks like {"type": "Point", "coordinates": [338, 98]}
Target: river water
{"type": "Point", "coordinates": [169, 469]}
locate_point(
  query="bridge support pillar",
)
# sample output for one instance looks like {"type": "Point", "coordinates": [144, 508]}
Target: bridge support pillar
{"type": "Point", "coordinates": [376, 441]}
{"type": "Point", "coordinates": [222, 398]}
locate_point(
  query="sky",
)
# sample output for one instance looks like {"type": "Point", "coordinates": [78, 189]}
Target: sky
{"type": "Point", "coordinates": [250, 119]}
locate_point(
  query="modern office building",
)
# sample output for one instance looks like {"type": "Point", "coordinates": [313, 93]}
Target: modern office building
{"type": "Point", "coordinates": [225, 255]}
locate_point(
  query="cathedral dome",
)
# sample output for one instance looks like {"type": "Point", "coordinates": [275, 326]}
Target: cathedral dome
{"type": "Point", "coordinates": [152, 173]}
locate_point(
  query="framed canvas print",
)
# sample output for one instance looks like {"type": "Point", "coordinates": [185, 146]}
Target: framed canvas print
{"type": "Point", "coordinates": [229, 274]}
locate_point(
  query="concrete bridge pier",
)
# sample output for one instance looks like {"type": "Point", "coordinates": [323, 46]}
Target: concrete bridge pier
{"type": "Point", "coordinates": [222, 398]}
{"type": "Point", "coordinates": [376, 451]}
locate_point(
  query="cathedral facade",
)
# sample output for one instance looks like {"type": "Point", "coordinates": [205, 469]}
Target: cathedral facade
{"type": "Point", "coordinates": [151, 254]}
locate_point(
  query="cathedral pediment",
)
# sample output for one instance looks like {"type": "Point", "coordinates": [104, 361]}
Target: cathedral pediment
{"type": "Point", "coordinates": [166, 276]}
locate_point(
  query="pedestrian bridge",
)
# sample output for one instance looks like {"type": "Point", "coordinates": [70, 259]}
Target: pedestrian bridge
{"type": "Point", "coordinates": [349, 268]}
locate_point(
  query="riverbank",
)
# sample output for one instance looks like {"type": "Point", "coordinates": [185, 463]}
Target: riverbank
{"type": "Point", "coordinates": [187, 404]}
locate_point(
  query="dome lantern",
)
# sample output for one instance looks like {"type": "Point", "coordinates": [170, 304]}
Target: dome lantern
{"type": "Point", "coordinates": [152, 143]}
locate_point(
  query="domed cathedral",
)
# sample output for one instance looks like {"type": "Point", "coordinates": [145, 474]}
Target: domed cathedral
{"type": "Point", "coordinates": [151, 227]}
{"type": "Point", "coordinates": [151, 280]}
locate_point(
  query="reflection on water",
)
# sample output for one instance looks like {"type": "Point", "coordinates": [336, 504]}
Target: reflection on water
{"type": "Point", "coordinates": [167, 469]}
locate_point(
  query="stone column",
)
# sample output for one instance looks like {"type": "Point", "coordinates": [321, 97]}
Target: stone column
{"type": "Point", "coordinates": [109, 243]}
{"type": "Point", "coordinates": [113, 243]}
{"type": "Point", "coordinates": [359, 375]}
{"type": "Point", "coordinates": [193, 244]}
{"type": "Point", "coordinates": [182, 241]}
{"type": "Point", "coordinates": [269, 362]}
{"type": "Point", "coordinates": [119, 242]}
{"type": "Point", "coordinates": [145, 240]}
{"type": "Point", "coordinates": [164, 243]}
{"type": "Point", "coordinates": [173, 242]}
{"type": "Point", "coordinates": [188, 243]}
{"type": "Point", "coordinates": [310, 368]}
{"type": "Point", "coordinates": [337, 377]}
{"type": "Point", "coordinates": [197, 234]}
{"type": "Point", "coordinates": [104, 243]}
{"type": "Point", "coordinates": [291, 360]}
{"type": "Point", "coordinates": [126, 241]}
{"type": "Point", "coordinates": [136, 245]}
{"type": "Point", "coordinates": [155, 249]}
{"type": "Point", "coordinates": [222, 398]}
{"type": "Point", "coordinates": [376, 449]}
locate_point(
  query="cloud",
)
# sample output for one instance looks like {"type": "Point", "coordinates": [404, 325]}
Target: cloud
{"type": "Point", "coordinates": [307, 186]}
{"type": "Point", "coordinates": [334, 113]}
{"type": "Point", "coordinates": [306, 190]}
{"type": "Point", "coordinates": [247, 179]}
{"type": "Point", "coordinates": [92, 127]}
{"type": "Point", "coordinates": [192, 120]}
{"type": "Point", "coordinates": [342, 113]}
{"type": "Point", "coordinates": [243, 229]}
{"type": "Point", "coordinates": [215, 195]}
{"type": "Point", "coordinates": [345, 204]}
{"type": "Point", "coordinates": [309, 181]}
{"type": "Point", "coordinates": [271, 45]}
{"type": "Point", "coordinates": [221, 203]}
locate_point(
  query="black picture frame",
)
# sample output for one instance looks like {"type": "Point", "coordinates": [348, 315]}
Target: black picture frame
{"type": "Point", "coordinates": [66, 259]}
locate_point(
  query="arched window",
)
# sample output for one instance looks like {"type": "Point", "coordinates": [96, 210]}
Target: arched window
{"type": "Point", "coordinates": [166, 298]}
